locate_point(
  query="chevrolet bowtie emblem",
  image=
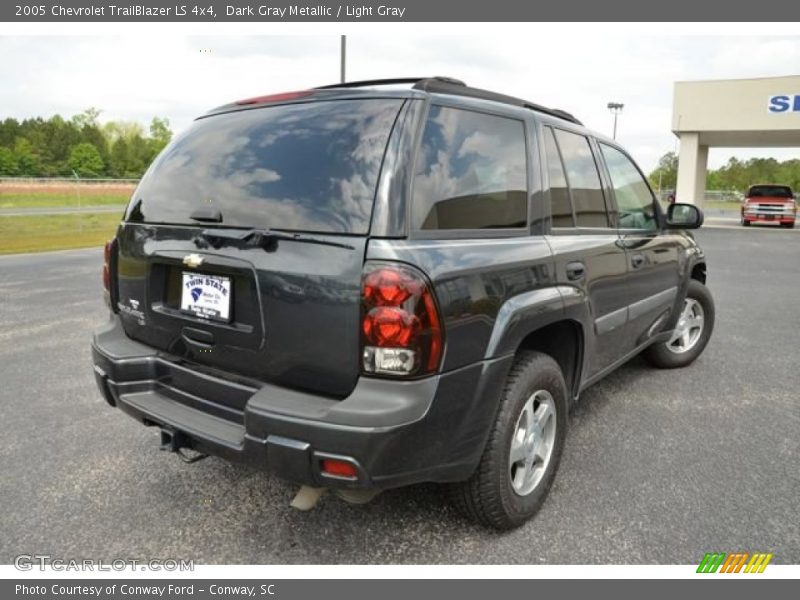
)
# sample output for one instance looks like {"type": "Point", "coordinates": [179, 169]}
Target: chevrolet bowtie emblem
{"type": "Point", "coordinates": [193, 260]}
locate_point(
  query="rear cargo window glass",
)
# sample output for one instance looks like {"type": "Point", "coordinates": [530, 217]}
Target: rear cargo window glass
{"type": "Point", "coordinates": [767, 191]}
{"type": "Point", "coordinates": [306, 167]}
{"type": "Point", "coordinates": [471, 172]}
{"type": "Point", "coordinates": [584, 180]}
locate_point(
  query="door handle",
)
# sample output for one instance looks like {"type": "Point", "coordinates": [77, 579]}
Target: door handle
{"type": "Point", "coordinates": [575, 270]}
{"type": "Point", "coordinates": [637, 260]}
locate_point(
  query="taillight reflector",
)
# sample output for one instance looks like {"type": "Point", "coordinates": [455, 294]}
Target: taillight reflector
{"type": "Point", "coordinates": [339, 468]}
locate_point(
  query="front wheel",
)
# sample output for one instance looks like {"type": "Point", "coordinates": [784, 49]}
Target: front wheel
{"type": "Point", "coordinates": [524, 447]}
{"type": "Point", "coordinates": [691, 333]}
{"type": "Point", "coordinates": [789, 225]}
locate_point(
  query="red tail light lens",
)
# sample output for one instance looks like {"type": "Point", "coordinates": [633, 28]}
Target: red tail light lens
{"type": "Point", "coordinates": [339, 468]}
{"type": "Point", "coordinates": [108, 249]}
{"type": "Point", "coordinates": [400, 324]}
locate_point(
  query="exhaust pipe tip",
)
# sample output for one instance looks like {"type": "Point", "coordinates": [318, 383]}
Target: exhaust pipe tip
{"type": "Point", "coordinates": [307, 497]}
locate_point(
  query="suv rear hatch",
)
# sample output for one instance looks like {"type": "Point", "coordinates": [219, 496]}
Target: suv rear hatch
{"type": "Point", "coordinates": [242, 247]}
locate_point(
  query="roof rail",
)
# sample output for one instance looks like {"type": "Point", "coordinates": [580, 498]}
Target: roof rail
{"type": "Point", "coordinates": [443, 86]}
{"type": "Point", "coordinates": [449, 85]}
{"type": "Point", "coordinates": [370, 82]}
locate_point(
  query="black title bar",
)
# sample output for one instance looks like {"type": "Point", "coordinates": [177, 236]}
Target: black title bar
{"type": "Point", "coordinates": [398, 11]}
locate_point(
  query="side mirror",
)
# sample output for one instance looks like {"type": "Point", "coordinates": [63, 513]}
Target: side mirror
{"type": "Point", "coordinates": [684, 216]}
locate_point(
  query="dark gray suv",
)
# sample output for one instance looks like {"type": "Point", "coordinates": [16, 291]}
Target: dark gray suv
{"type": "Point", "coordinates": [380, 283]}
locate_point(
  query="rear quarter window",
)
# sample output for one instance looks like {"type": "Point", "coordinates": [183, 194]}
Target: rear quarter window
{"type": "Point", "coordinates": [307, 167]}
{"type": "Point", "coordinates": [471, 172]}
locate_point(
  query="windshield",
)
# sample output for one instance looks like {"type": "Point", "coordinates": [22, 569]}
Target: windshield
{"type": "Point", "coordinates": [767, 191]}
{"type": "Point", "coordinates": [304, 167]}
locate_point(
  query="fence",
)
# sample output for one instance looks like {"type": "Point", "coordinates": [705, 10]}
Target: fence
{"type": "Point", "coordinates": [710, 195]}
{"type": "Point", "coordinates": [63, 180]}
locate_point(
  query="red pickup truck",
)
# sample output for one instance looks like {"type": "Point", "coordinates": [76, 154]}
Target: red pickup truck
{"type": "Point", "coordinates": [769, 204]}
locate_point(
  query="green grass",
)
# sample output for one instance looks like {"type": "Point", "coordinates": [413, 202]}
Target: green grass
{"type": "Point", "coordinates": [57, 200]}
{"type": "Point", "coordinates": [56, 232]}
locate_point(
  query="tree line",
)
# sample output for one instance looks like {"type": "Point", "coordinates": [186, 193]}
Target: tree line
{"type": "Point", "coordinates": [735, 175]}
{"type": "Point", "coordinates": [58, 147]}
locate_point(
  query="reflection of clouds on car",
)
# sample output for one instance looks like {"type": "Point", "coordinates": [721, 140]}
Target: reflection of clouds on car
{"type": "Point", "coordinates": [303, 166]}
{"type": "Point", "coordinates": [470, 162]}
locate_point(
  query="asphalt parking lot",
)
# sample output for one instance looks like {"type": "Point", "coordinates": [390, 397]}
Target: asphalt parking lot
{"type": "Point", "coordinates": [659, 467]}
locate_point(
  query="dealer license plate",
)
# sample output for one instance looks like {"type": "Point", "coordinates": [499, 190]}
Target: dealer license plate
{"type": "Point", "coordinates": [207, 296]}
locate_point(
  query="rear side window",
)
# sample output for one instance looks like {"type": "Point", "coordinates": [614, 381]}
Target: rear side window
{"type": "Point", "coordinates": [635, 203]}
{"type": "Point", "coordinates": [471, 172]}
{"type": "Point", "coordinates": [583, 179]}
{"type": "Point", "coordinates": [560, 205]}
{"type": "Point", "coordinates": [306, 167]}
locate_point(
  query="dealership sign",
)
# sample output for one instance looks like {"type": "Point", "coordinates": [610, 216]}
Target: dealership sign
{"type": "Point", "coordinates": [785, 103]}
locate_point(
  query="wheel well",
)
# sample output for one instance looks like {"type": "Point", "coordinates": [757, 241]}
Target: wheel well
{"type": "Point", "coordinates": [699, 272]}
{"type": "Point", "coordinates": [563, 341]}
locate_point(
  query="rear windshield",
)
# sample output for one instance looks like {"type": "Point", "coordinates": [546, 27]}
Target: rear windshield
{"type": "Point", "coordinates": [305, 167]}
{"type": "Point", "coordinates": [774, 191]}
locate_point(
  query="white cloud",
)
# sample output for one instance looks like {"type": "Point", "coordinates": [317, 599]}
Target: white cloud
{"type": "Point", "coordinates": [180, 77]}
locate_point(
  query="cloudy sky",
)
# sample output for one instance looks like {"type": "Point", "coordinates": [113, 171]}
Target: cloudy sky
{"type": "Point", "coordinates": [180, 76]}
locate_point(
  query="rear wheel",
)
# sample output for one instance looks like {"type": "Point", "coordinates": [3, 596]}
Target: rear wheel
{"type": "Point", "coordinates": [788, 225]}
{"type": "Point", "coordinates": [524, 447]}
{"type": "Point", "coordinates": [745, 222]}
{"type": "Point", "coordinates": [691, 333]}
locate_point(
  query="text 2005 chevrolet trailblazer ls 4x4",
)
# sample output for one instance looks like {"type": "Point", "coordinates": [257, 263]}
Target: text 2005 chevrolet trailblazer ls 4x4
{"type": "Point", "coordinates": [381, 283]}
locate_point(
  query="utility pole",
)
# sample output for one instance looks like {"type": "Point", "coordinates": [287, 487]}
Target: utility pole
{"type": "Point", "coordinates": [615, 108]}
{"type": "Point", "coordinates": [343, 53]}
{"type": "Point", "coordinates": [78, 191]}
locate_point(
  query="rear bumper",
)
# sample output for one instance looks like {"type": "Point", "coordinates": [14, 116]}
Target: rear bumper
{"type": "Point", "coordinates": [394, 432]}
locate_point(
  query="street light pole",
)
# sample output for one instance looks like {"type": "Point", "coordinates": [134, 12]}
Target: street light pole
{"type": "Point", "coordinates": [343, 58]}
{"type": "Point", "coordinates": [615, 108]}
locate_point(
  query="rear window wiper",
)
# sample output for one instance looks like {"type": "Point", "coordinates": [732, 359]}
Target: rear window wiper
{"type": "Point", "coordinates": [262, 238]}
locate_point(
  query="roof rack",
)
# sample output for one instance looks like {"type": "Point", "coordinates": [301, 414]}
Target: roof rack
{"type": "Point", "coordinates": [402, 80]}
{"type": "Point", "coordinates": [448, 85]}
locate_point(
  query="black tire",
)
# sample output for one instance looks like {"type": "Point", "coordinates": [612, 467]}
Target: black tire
{"type": "Point", "coordinates": [745, 223]}
{"type": "Point", "coordinates": [788, 225]}
{"type": "Point", "coordinates": [661, 356]}
{"type": "Point", "coordinates": [489, 497]}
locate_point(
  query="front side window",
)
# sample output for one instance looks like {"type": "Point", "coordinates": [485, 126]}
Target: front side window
{"type": "Point", "coordinates": [471, 172]}
{"type": "Point", "coordinates": [634, 201]}
{"type": "Point", "coordinates": [583, 179]}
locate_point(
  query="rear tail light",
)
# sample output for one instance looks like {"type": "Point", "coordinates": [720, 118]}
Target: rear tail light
{"type": "Point", "coordinates": [108, 259]}
{"type": "Point", "coordinates": [107, 251]}
{"type": "Point", "coordinates": [401, 329]}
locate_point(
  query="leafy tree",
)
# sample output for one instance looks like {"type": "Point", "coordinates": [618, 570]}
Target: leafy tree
{"type": "Point", "coordinates": [44, 147]}
{"type": "Point", "coordinates": [665, 176]}
{"type": "Point", "coordinates": [8, 162]}
{"type": "Point", "coordinates": [85, 160]}
{"type": "Point", "coordinates": [120, 158]}
{"type": "Point", "coordinates": [88, 118]}
{"type": "Point", "coordinates": [28, 160]}
{"type": "Point", "coordinates": [736, 175]}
